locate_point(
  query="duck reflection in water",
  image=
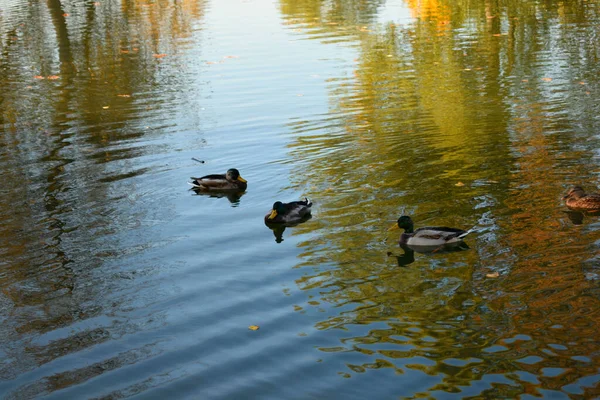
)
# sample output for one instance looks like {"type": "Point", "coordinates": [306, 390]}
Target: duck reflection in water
{"type": "Point", "coordinates": [287, 215]}
{"type": "Point", "coordinates": [278, 229]}
{"type": "Point", "coordinates": [233, 197]}
{"type": "Point", "coordinates": [577, 217]}
{"type": "Point", "coordinates": [408, 257]}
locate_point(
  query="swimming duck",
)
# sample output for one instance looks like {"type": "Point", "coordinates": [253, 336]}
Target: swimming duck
{"type": "Point", "coordinates": [231, 180]}
{"type": "Point", "coordinates": [427, 236]}
{"type": "Point", "coordinates": [578, 199]}
{"type": "Point", "coordinates": [289, 213]}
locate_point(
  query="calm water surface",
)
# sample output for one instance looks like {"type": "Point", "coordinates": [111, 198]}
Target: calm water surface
{"type": "Point", "coordinates": [117, 281]}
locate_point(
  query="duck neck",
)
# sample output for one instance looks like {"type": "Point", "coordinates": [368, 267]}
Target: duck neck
{"type": "Point", "coordinates": [409, 229]}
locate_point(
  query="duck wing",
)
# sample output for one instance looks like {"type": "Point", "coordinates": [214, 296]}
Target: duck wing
{"type": "Point", "coordinates": [298, 208]}
{"type": "Point", "coordinates": [439, 233]}
{"type": "Point", "coordinates": [590, 202]}
{"type": "Point", "coordinates": [214, 181]}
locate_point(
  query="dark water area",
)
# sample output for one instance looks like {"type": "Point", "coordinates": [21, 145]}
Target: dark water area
{"type": "Point", "coordinates": [117, 280]}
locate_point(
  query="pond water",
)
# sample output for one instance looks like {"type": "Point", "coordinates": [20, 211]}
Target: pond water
{"type": "Point", "coordinates": [116, 280]}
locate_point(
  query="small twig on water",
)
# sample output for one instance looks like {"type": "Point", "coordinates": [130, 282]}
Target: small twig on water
{"type": "Point", "coordinates": [200, 161]}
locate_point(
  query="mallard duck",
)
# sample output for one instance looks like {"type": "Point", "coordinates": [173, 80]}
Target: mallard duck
{"type": "Point", "coordinates": [231, 180]}
{"type": "Point", "coordinates": [289, 213]}
{"type": "Point", "coordinates": [578, 199]}
{"type": "Point", "coordinates": [430, 236]}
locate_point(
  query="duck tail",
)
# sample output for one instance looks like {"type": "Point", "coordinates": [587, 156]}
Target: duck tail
{"type": "Point", "coordinates": [462, 235]}
{"type": "Point", "coordinates": [308, 202]}
{"type": "Point", "coordinates": [194, 182]}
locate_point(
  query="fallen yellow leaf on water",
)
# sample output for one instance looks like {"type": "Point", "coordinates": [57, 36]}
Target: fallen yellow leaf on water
{"type": "Point", "coordinates": [231, 57]}
{"type": "Point", "coordinates": [547, 79]}
{"type": "Point", "coordinates": [105, 107]}
{"type": "Point", "coordinates": [582, 83]}
{"type": "Point", "coordinates": [97, 3]}
{"type": "Point", "coordinates": [253, 327]}
{"type": "Point", "coordinates": [161, 55]}
{"type": "Point", "coordinates": [65, 15]}
{"type": "Point", "coordinates": [492, 275]}
{"type": "Point", "coordinates": [123, 95]}
{"type": "Point", "coordinates": [38, 77]}
{"type": "Point", "coordinates": [460, 184]}
{"type": "Point", "coordinates": [53, 77]}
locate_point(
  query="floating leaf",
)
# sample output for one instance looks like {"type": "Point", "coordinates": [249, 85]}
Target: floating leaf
{"type": "Point", "coordinates": [161, 55]}
{"type": "Point", "coordinates": [53, 77]}
{"type": "Point", "coordinates": [492, 275]}
{"type": "Point", "coordinates": [253, 327]}
{"type": "Point", "coordinates": [65, 14]}
{"type": "Point", "coordinates": [460, 184]}
{"type": "Point", "coordinates": [231, 57]}
{"type": "Point", "coordinates": [38, 77]}
{"type": "Point", "coordinates": [123, 95]}
{"type": "Point", "coordinates": [105, 107]}
{"type": "Point", "coordinates": [547, 79]}
{"type": "Point", "coordinates": [96, 3]}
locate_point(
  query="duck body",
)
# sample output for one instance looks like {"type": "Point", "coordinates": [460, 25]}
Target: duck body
{"type": "Point", "coordinates": [428, 237]}
{"type": "Point", "coordinates": [231, 180]}
{"type": "Point", "coordinates": [289, 213]}
{"type": "Point", "coordinates": [577, 199]}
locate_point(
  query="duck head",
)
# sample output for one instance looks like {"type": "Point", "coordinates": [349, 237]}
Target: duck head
{"type": "Point", "coordinates": [404, 222]}
{"type": "Point", "coordinates": [576, 192]}
{"type": "Point", "coordinates": [234, 175]}
{"type": "Point", "coordinates": [278, 208]}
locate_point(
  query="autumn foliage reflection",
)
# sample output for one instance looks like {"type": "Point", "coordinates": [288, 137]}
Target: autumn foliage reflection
{"type": "Point", "coordinates": [463, 93]}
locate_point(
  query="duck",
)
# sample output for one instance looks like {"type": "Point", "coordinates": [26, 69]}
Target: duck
{"type": "Point", "coordinates": [289, 213]}
{"type": "Point", "coordinates": [231, 180]}
{"type": "Point", "coordinates": [577, 198]}
{"type": "Point", "coordinates": [430, 236]}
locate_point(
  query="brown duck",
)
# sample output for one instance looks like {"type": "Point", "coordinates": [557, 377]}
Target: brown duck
{"type": "Point", "coordinates": [231, 180]}
{"type": "Point", "coordinates": [576, 198]}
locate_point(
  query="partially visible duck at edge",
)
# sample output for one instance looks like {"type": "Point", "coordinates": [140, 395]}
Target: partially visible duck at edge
{"type": "Point", "coordinates": [289, 213]}
{"type": "Point", "coordinates": [231, 180]}
{"type": "Point", "coordinates": [427, 236]}
{"type": "Point", "coordinates": [576, 198]}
